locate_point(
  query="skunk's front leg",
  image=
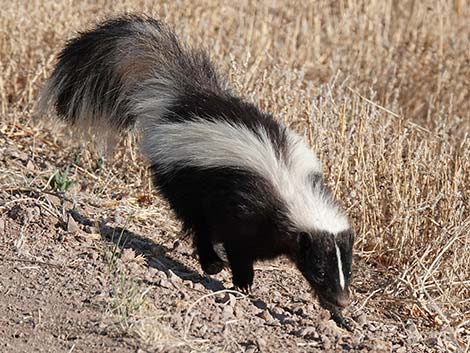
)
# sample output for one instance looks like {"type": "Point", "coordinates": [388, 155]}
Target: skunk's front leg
{"type": "Point", "coordinates": [241, 265]}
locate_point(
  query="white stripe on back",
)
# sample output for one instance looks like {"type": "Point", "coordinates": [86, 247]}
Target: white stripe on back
{"type": "Point", "coordinates": [205, 144]}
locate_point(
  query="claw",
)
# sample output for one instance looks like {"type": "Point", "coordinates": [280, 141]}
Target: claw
{"type": "Point", "coordinates": [245, 289]}
{"type": "Point", "coordinates": [340, 321]}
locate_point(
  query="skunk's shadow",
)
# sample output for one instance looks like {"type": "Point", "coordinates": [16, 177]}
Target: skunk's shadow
{"type": "Point", "coordinates": [156, 254]}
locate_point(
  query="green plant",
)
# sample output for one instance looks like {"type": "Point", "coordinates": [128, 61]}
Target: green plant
{"type": "Point", "coordinates": [60, 181]}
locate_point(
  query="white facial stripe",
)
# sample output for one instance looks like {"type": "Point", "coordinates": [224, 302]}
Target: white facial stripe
{"type": "Point", "coordinates": [340, 266]}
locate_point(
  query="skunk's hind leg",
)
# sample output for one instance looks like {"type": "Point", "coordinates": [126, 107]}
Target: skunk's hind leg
{"type": "Point", "coordinates": [208, 258]}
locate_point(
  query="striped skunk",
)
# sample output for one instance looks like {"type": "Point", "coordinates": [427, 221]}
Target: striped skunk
{"type": "Point", "coordinates": [231, 173]}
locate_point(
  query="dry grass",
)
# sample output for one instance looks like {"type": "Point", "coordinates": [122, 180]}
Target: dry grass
{"type": "Point", "coordinates": [381, 88]}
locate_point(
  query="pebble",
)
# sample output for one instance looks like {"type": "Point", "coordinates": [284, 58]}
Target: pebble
{"type": "Point", "coordinates": [53, 199]}
{"type": "Point", "coordinates": [227, 312]}
{"type": "Point", "coordinates": [199, 287]}
{"type": "Point", "coordinates": [261, 343]}
{"type": "Point", "coordinates": [299, 309]}
{"type": "Point", "coordinates": [164, 283]}
{"type": "Point", "coordinates": [326, 342]}
{"type": "Point", "coordinates": [266, 316]}
{"type": "Point", "coordinates": [278, 311]}
{"type": "Point", "coordinates": [260, 304]}
{"type": "Point", "coordinates": [309, 332]}
{"type": "Point", "coordinates": [371, 327]}
{"type": "Point", "coordinates": [203, 330]}
{"type": "Point", "coordinates": [360, 319]}
{"type": "Point", "coordinates": [72, 225]}
{"type": "Point", "coordinates": [239, 312]}
{"type": "Point", "coordinates": [226, 299]}
{"type": "Point", "coordinates": [30, 165]}
{"type": "Point", "coordinates": [305, 297]}
{"type": "Point", "coordinates": [177, 281]}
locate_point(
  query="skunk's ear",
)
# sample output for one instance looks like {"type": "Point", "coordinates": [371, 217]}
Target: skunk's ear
{"type": "Point", "coordinates": [304, 240]}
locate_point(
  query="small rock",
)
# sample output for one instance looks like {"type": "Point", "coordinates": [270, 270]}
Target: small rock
{"type": "Point", "coordinates": [177, 281]}
{"type": "Point", "coordinates": [382, 346]}
{"type": "Point", "coordinates": [260, 304]}
{"type": "Point", "coordinates": [326, 342]}
{"type": "Point", "coordinates": [278, 311]}
{"type": "Point", "coordinates": [119, 219]}
{"type": "Point", "coordinates": [226, 299]}
{"type": "Point", "coordinates": [266, 316]}
{"type": "Point", "coordinates": [276, 297]}
{"type": "Point", "coordinates": [413, 332]}
{"type": "Point", "coordinates": [30, 165]}
{"type": "Point", "coordinates": [371, 327]}
{"type": "Point", "coordinates": [91, 229]}
{"type": "Point", "coordinates": [203, 330]}
{"type": "Point", "coordinates": [72, 225]}
{"type": "Point", "coordinates": [400, 350]}
{"type": "Point", "coordinates": [299, 309]}
{"type": "Point", "coordinates": [431, 341]}
{"type": "Point", "coordinates": [361, 318]}
{"type": "Point", "coordinates": [239, 312]}
{"type": "Point", "coordinates": [227, 313]}
{"type": "Point", "coordinates": [326, 329]}
{"type": "Point", "coordinates": [199, 287]}
{"type": "Point", "coordinates": [261, 343]}
{"type": "Point", "coordinates": [305, 297]}
{"type": "Point", "coordinates": [151, 275]}
{"type": "Point", "coordinates": [309, 332]}
{"type": "Point", "coordinates": [165, 283]}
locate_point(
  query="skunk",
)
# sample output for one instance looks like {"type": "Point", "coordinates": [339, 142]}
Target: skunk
{"type": "Point", "coordinates": [231, 173]}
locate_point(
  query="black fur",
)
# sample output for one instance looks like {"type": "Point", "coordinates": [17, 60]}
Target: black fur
{"type": "Point", "coordinates": [317, 262]}
{"type": "Point", "coordinates": [218, 206]}
{"type": "Point", "coordinates": [130, 68]}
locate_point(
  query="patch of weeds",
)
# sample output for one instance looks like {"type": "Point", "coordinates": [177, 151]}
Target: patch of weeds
{"type": "Point", "coordinates": [99, 164]}
{"type": "Point", "coordinates": [128, 298]}
{"type": "Point", "coordinates": [114, 251]}
{"type": "Point", "coordinates": [77, 155]}
{"type": "Point", "coordinates": [60, 181]}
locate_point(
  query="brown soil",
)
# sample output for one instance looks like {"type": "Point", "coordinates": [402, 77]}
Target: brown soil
{"type": "Point", "coordinates": [78, 276]}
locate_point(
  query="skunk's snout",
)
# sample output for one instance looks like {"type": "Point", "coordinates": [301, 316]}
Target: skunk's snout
{"type": "Point", "coordinates": [332, 300]}
{"type": "Point", "coordinates": [343, 299]}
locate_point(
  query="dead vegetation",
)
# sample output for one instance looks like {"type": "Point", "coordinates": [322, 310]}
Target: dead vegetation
{"type": "Point", "coordinates": [381, 89]}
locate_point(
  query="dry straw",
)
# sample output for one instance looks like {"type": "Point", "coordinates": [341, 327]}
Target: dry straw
{"type": "Point", "coordinates": [381, 89]}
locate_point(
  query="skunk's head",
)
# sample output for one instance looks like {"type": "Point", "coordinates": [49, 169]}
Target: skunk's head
{"type": "Point", "coordinates": [325, 260]}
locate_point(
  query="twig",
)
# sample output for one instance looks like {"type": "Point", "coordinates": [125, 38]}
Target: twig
{"type": "Point", "coordinates": [374, 104]}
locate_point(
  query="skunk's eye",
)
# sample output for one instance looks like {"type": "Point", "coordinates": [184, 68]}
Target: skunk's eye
{"type": "Point", "coordinates": [320, 275]}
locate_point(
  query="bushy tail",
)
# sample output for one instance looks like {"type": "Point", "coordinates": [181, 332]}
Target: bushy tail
{"type": "Point", "coordinates": [123, 70]}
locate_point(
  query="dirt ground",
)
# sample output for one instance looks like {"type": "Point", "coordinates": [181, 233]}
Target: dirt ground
{"type": "Point", "coordinates": [78, 275]}
{"type": "Point", "coordinates": [92, 259]}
